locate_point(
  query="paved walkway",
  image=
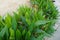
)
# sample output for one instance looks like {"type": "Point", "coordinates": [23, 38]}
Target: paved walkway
{"type": "Point", "coordinates": [56, 36]}
{"type": "Point", "coordinates": [11, 5]}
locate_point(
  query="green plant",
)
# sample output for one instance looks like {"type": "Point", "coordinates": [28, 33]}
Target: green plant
{"type": "Point", "coordinates": [33, 23]}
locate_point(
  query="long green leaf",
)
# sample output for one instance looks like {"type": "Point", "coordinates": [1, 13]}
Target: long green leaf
{"type": "Point", "coordinates": [3, 31]}
{"type": "Point", "coordinates": [41, 22]}
{"type": "Point", "coordinates": [14, 23]}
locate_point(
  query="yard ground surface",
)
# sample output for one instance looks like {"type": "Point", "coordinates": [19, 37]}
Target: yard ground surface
{"type": "Point", "coordinates": [56, 35]}
{"type": "Point", "coordinates": [12, 5]}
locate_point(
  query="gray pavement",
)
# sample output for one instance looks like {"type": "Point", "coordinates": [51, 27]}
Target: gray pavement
{"type": "Point", "coordinates": [56, 35]}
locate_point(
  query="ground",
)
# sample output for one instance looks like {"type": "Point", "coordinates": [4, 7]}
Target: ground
{"type": "Point", "coordinates": [56, 35]}
{"type": "Point", "coordinates": [11, 5]}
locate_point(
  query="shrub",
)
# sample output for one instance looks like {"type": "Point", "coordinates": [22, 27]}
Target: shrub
{"type": "Point", "coordinates": [32, 23]}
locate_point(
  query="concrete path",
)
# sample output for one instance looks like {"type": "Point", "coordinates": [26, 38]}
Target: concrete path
{"type": "Point", "coordinates": [11, 5]}
{"type": "Point", "coordinates": [56, 35]}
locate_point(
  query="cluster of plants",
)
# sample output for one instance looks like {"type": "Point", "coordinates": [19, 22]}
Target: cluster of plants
{"type": "Point", "coordinates": [29, 23]}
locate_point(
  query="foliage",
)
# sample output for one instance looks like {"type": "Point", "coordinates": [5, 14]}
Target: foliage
{"type": "Point", "coordinates": [32, 23]}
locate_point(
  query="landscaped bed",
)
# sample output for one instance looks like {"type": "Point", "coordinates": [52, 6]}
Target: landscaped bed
{"type": "Point", "coordinates": [30, 23]}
